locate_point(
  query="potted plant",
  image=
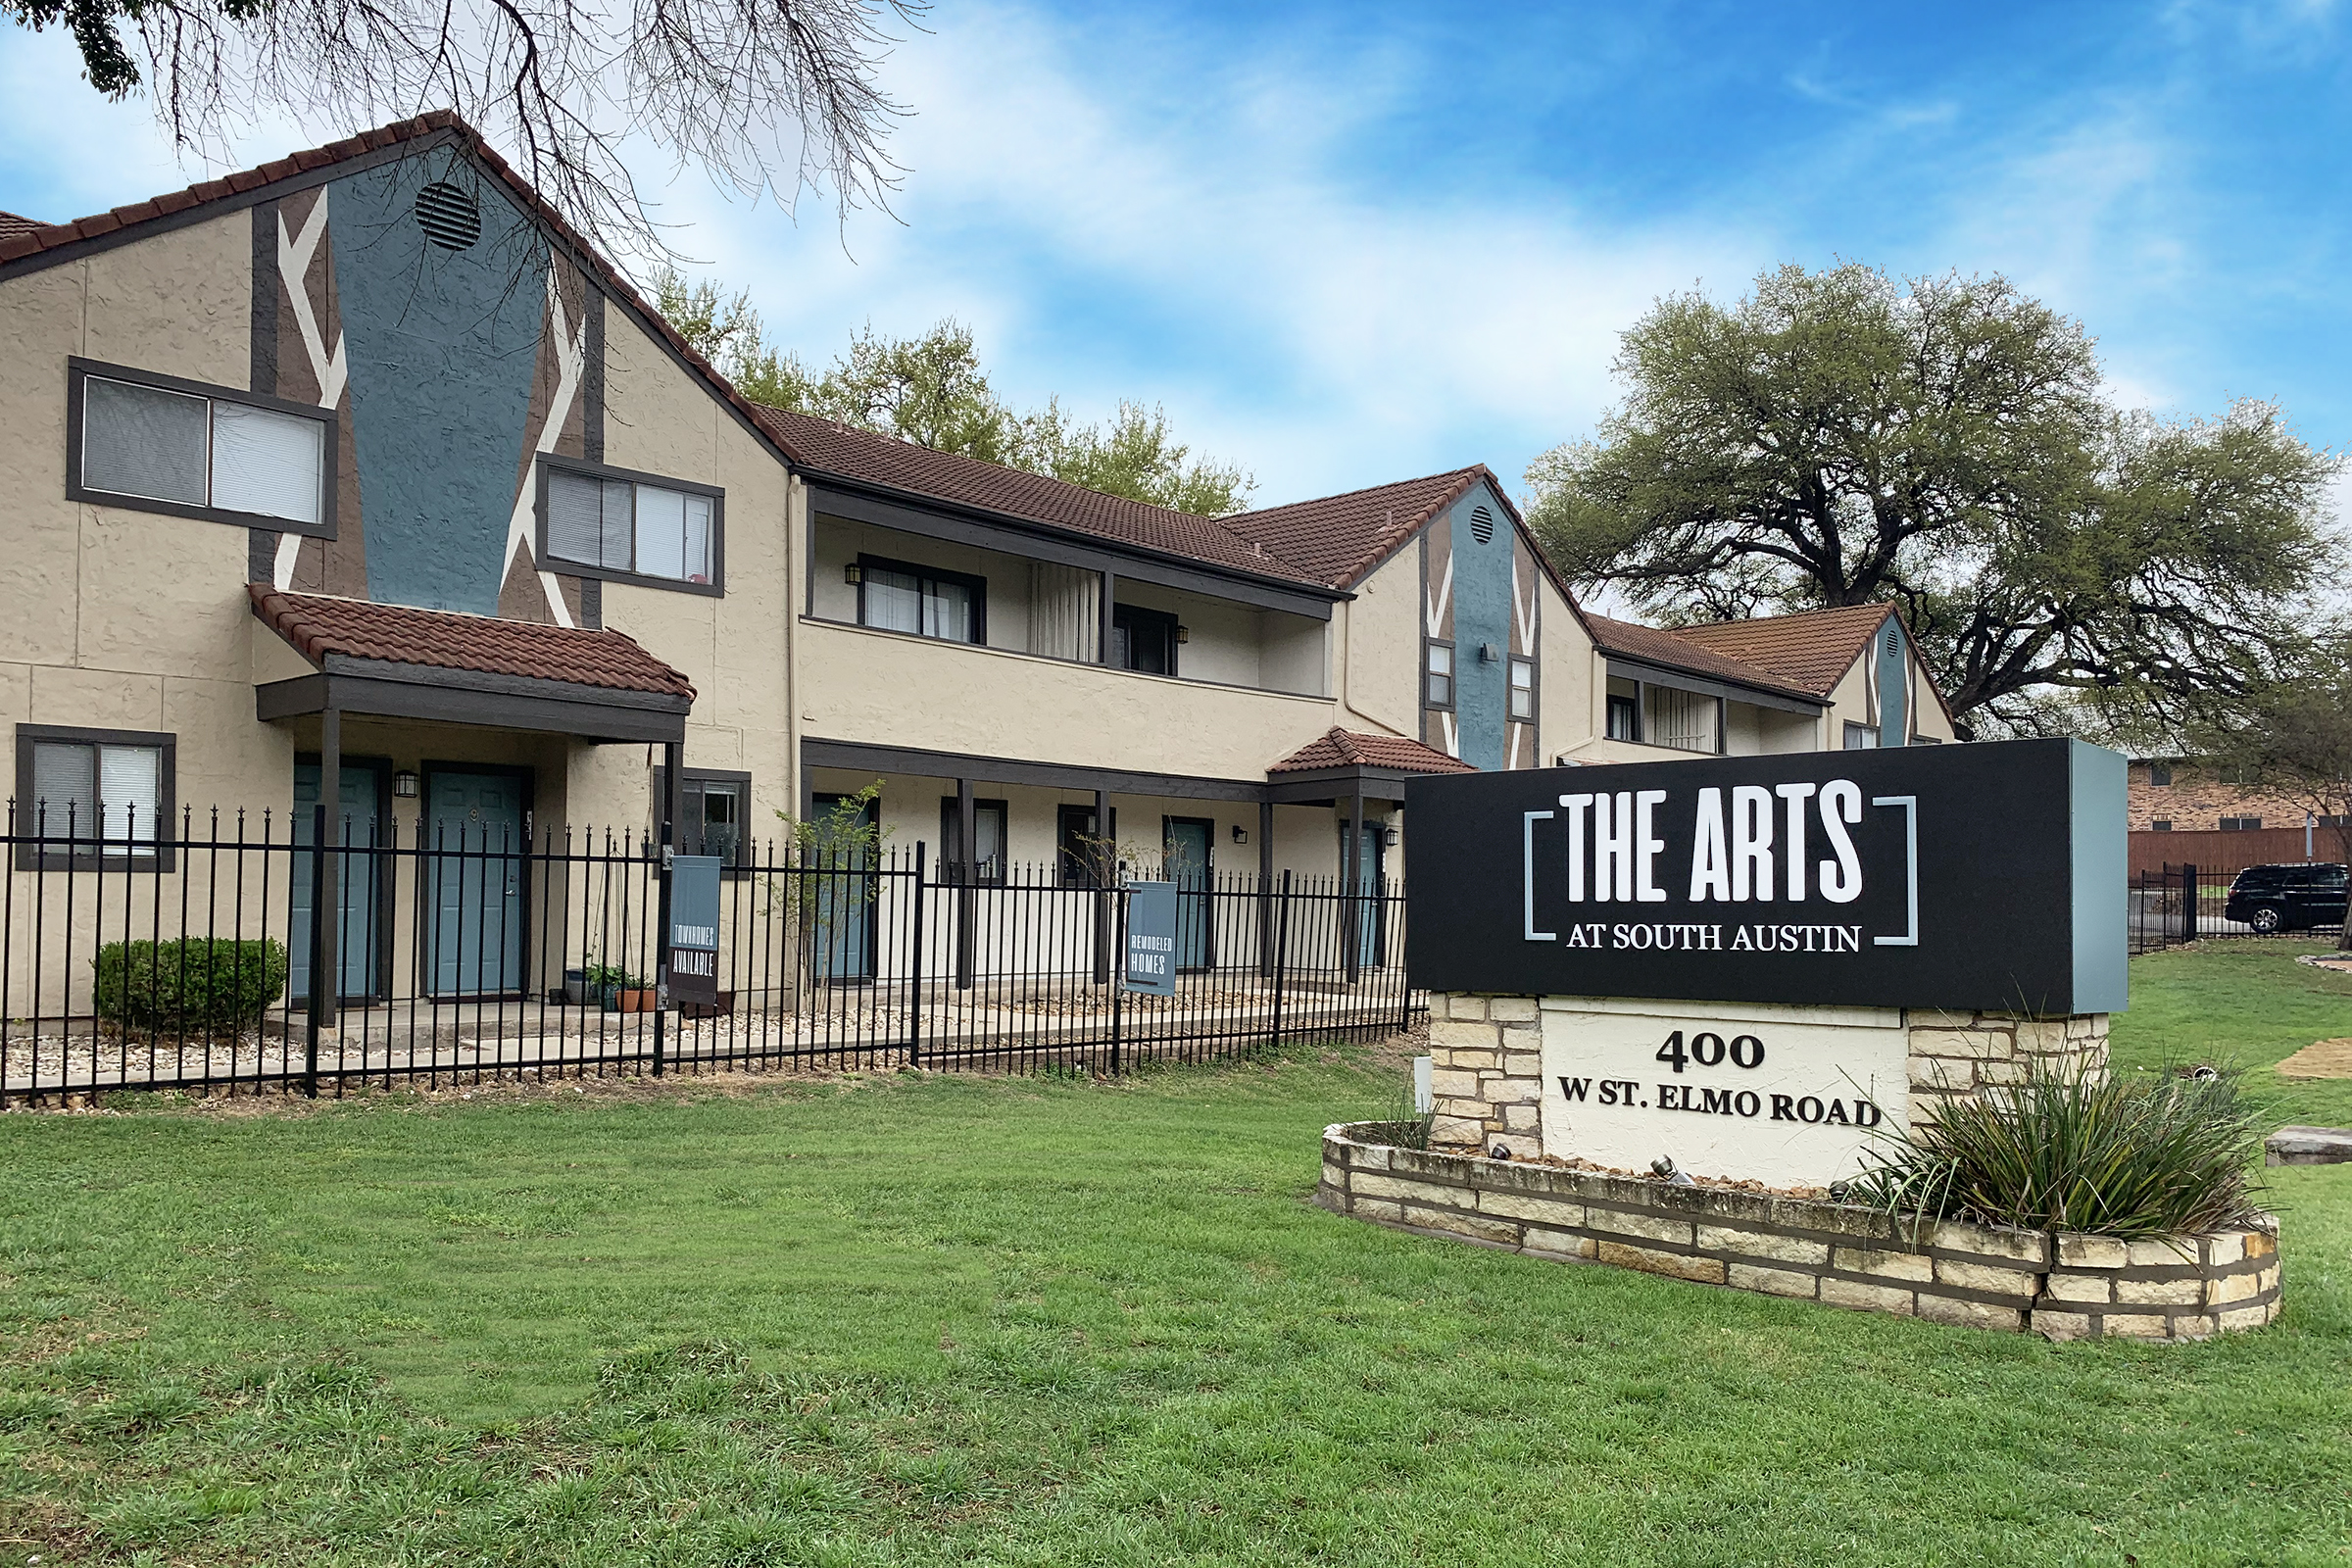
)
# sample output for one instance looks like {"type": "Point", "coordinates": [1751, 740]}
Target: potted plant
{"type": "Point", "coordinates": [603, 983]}
{"type": "Point", "coordinates": [636, 995]}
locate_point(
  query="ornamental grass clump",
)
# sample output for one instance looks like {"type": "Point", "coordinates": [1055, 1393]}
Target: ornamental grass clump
{"type": "Point", "coordinates": [2125, 1156]}
{"type": "Point", "coordinates": [1408, 1128]}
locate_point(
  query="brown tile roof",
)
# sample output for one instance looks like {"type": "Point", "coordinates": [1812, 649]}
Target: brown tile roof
{"type": "Point", "coordinates": [1342, 748]}
{"type": "Point", "coordinates": [1339, 537]}
{"type": "Point", "coordinates": [1675, 652]}
{"type": "Point", "coordinates": [848, 453]}
{"type": "Point", "coordinates": [316, 625]}
{"type": "Point", "coordinates": [1813, 649]}
{"type": "Point", "coordinates": [10, 224]}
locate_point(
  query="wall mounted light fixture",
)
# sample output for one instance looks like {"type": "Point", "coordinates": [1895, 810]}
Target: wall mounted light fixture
{"type": "Point", "coordinates": [1240, 833]}
{"type": "Point", "coordinates": [404, 786]}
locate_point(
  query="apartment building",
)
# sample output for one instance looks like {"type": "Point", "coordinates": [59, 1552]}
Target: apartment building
{"type": "Point", "coordinates": [360, 476]}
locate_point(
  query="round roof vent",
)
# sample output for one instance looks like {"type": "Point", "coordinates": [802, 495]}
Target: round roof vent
{"type": "Point", "coordinates": [1482, 526]}
{"type": "Point", "coordinates": [450, 217]}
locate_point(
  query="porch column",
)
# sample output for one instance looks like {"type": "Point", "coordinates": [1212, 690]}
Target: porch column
{"type": "Point", "coordinates": [1110, 587]}
{"type": "Point", "coordinates": [1265, 889]}
{"type": "Point", "coordinates": [967, 859]}
{"type": "Point", "coordinates": [326, 899]}
{"type": "Point", "coordinates": [1102, 866]}
{"type": "Point", "coordinates": [1351, 936]}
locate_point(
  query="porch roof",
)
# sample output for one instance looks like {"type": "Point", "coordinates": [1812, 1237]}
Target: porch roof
{"type": "Point", "coordinates": [402, 662]}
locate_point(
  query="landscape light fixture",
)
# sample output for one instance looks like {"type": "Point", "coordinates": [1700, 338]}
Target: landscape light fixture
{"type": "Point", "coordinates": [404, 786]}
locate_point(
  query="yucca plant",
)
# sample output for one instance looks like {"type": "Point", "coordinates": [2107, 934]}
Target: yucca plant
{"type": "Point", "coordinates": [2125, 1156]}
{"type": "Point", "coordinates": [1407, 1128]}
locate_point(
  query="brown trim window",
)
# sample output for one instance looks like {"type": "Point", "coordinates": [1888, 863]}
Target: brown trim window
{"type": "Point", "coordinates": [1083, 854]}
{"type": "Point", "coordinates": [1143, 640]}
{"type": "Point", "coordinates": [1861, 737]}
{"type": "Point", "coordinates": [156, 443]}
{"type": "Point", "coordinates": [1624, 721]}
{"type": "Point", "coordinates": [2160, 774]}
{"type": "Point", "coordinates": [1523, 689]}
{"type": "Point", "coordinates": [714, 809]}
{"type": "Point", "coordinates": [1436, 678]}
{"type": "Point", "coordinates": [990, 819]}
{"type": "Point", "coordinates": [923, 601]}
{"type": "Point", "coordinates": [102, 798]}
{"type": "Point", "coordinates": [620, 525]}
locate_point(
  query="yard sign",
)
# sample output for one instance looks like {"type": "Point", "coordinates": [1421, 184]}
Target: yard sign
{"type": "Point", "coordinates": [694, 881]}
{"type": "Point", "coordinates": [1152, 938]}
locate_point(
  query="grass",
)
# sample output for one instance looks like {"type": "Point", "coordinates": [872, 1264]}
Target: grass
{"type": "Point", "coordinates": [953, 1321]}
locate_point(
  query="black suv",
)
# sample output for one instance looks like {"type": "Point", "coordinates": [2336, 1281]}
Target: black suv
{"type": "Point", "coordinates": [2288, 897]}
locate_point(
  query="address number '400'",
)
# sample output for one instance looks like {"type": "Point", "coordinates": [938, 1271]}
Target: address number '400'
{"type": "Point", "coordinates": [1710, 1050]}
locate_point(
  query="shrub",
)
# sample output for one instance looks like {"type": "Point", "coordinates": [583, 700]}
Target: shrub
{"type": "Point", "coordinates": [193, 982]}
{"type": "Point", "coordinates": [2124, 1157]}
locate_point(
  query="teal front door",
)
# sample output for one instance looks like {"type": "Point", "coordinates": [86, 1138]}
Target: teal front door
{"type": "Point", "coordinates": [843, 930]}
{"type": "Point", "coordinates": [1370, 907]}
{"type": "Point", "coordinates": [361, 876]}
{"type": "Point", "coordinates": [474, 847]}
{"type": "Point", "coordinates": [1186, 850]}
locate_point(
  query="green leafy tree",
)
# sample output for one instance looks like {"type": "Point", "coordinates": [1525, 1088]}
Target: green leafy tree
{"type": "Point", "coordinates": [1842, 437]}
{"type": "Point", "coordinates": [931, 390]}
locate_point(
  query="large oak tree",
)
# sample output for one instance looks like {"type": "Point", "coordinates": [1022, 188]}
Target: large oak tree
{"type": "Point", "coordinates": [1844, 437]}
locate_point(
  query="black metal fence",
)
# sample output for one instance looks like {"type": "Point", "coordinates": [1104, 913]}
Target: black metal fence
{"type": "Point", "coordinates": [2175, 905]}
{"type": "Point", "coordinates": [185, 960]}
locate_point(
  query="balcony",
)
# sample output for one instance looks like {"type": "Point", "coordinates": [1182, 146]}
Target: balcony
{"type": "Point", "coordinates": [881, 578]}
{"type": "Point", "coordinates": [887, 688]}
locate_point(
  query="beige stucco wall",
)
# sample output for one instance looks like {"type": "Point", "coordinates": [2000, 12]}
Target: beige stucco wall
{"type": "Point", "coordinates": [871, 686]}
{"type": "Point", "coordinates": [1378, 638]}
{"type": "Point", "coordinates": [119, 618]}
{"type": "Point", "coordinates": [735, 648]}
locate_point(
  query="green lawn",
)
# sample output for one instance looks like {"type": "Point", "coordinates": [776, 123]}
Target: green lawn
{"type": "Point", "coordinates": [941, 1320]}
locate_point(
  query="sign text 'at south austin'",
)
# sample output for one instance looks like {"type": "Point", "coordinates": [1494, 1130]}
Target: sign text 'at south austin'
{"type": "Point", "coordinates": [1985, 876]}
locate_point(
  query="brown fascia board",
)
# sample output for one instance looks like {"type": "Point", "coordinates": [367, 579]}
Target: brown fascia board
{"type": "Point", "coordinates": [1110, 542]}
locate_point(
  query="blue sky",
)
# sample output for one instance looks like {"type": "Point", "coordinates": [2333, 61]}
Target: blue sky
{"type": "Point", "coordinates": [1344, 244]}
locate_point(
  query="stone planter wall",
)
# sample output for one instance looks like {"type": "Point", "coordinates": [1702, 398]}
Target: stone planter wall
{"type": "Point", "coordinates": [2064, 1287]}
{"type": "Point", "coordinates": [1487, 1065]}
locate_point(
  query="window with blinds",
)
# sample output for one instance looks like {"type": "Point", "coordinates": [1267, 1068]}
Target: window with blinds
{"type": "Point", "coordinates": [93, 796]}
{"type": "Point", "coordinates": [927, 600]}
{"type": "Point", "coordinates": [174, 448]}
{"type": "Point", "coordinates": [624, 525]}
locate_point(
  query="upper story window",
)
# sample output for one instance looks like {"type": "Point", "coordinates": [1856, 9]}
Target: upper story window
{"type": "Point", "coordinates": [617, 525]}
{"type": "Point", "coordinates": [1625, 710]}
{"type": "Point", "coordinates": [927, 601]}
{"type": "Point", "coordinates": [2160, 773]}
{"type": "Point", "coordinates": [1144, 639]}
{"type": "Point", "coordinates": [1861, 737]}
{"type": "Point", "coordinates": [103, 795]}
{"type": "Point", "coordinates": [1437, 683]}
{"type": "Point", "coordinates": [1683, 720]}
{"type": "Point", "coordinates": [1523, 688]}
{"type": "Point", "coordinates": [155, 443]}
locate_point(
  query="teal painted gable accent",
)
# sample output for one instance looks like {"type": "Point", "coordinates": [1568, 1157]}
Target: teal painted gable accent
{"type": "Point", "coordinates": [2095, 790]}
{"type": "Point", "coordinates": [441, 347]}
{"type": "Point", "coordinates": [1482, 615]}
{"type": "Point", "coordinates": [1894, 687]}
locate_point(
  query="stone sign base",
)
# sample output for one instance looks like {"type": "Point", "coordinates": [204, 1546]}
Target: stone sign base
{"type": "Point", "coordinates": [1487, 1063]}
{"type": "Point", "coordinates": [2064, 1287]}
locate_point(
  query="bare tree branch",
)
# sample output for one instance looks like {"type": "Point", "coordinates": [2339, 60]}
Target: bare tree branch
{"type": "Point", "coordinates": [770, 97]}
